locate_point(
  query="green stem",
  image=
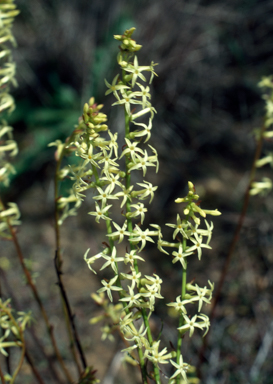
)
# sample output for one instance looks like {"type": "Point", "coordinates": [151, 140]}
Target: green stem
{"type": "Point", "coordinates": [181, 317]}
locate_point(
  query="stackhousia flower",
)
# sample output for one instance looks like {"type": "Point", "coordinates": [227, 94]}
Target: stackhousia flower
{"type": "Point", "coordinates": [107, 168]}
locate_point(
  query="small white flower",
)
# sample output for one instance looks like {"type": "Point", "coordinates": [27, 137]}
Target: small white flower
{"type": "Point", "coordinates": [157, 357]}
{"type": "Point", "coordinates": [113, 142]}
{"type": "Point", "coordinates": [136, 71]}
{"type": "Point", "coordinates": [142, 162]}
{"type": "Point", "coordinates": [205, 323]}
{"type": "Point", "coordinates": [198, 245]}
{"type": "Point", "coordinates": [100, 213]}
{"type": "Point", "coordinates": [180, 256]}
{"type": "Point", "coordinates": [113, 179]}
{"type": "Point", "coordinates": [130, 257]}
{"type": "Point", "coordinates": [147, 191]}
{"type": "Point", "coordinates": [107, 161]}
{"type": "Point", "coordinates": [131, 149]}
{"type": "Point", "coordinates": [201, 296]}
{"type": "Point", "coordinates": [145, 132]}
{"type": "Point", "coordinates": [190, 324]}
{"type": "Point", "coordinates": [134, 277]}
{"type": "Point", "coordinates": [105, 195]}
{"type": "Point", "coordinates": [127, 99]}
{"type": "Point", "coordinates": [181, 368]}
{"type": "Point", "coordinates": [108, 287]}
{"type": "Point", "coordinates": [139, 211]}
{"type": "Point", "coordinates": [180, 227]}
{"type": "Point", "coordinates": [132, 298]}
{"type": "Point", "coordinates": [91, 157]}
{"type": "Point", "coordinates": [144, 93]}
{"type": "Point", "coordinates": [112, 260]}
{"type": "Point", "coordinates": [92, 259]}
{"type": "Point", "coordinates": [114, 87]}
{"type": "Point", "coordinates": [126, 194]}
{"type": "Point", "coordinates": [142, 236]}
{"type": "Point", "coordinates": [178, 305]}
{"type": "Point", "coordinates": [121, 232]}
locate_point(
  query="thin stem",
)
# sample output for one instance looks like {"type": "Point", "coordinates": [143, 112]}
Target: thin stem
{"type": "Point", "coordinates": [181, 317]}
{"type": "Point", "coordinates": [38, 299]}
{"type": "Point", "coordinates": [69, 318]}
{"type": "Point", "coordinates": [20, 363]}
{"type": "Point", "coordinates": [2, 377]}
{"type": "Point", "coordinates": [30, 330]}
{"type": "Point", "coordinates": [33, 368]}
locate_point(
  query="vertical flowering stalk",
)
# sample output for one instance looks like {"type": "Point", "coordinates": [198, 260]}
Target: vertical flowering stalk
{"type": "Point", "coordinates": [9, 216]}
{"type": "Point", "coordinates": [187, 231]}
{"type": "Point", "coordinates": [113, 174]}
{"type": "Point", "coordinates": [8, 147]}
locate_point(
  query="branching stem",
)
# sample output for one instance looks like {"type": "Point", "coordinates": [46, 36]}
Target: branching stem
{"type": "Point", "coordinates": [37, 298]}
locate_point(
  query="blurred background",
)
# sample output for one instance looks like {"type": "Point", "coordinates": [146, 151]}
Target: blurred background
{"type": "Point", "coordinates": [210, 55]}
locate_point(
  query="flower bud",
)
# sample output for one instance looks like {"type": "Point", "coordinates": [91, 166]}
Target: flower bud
{"type": "Point", "coordinates": [91, 101]}
{"type": "Point", "coordinates": [85, 108]}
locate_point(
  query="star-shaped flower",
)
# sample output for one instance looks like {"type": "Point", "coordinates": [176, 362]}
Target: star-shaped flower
{"type": "Point", "coordinates": [112, 260]}
{"type": "Point", "coordinates": [100, 212]}
{"type": "Point", "coordinates": [178, 305]}
{"type": "Point", "coordinates": [108, 287]}
{"type": "Point", "coordinates": [105, 195]}
{"type": "Point", "coordinates": [180, 256]}
{"type": "Point", "coordinates": [198, 245]}
{"type": "Point", "coordinates": [114, 87]}
{"type": "Point", "coordinates": [181, 369]}
{"type": "Point", "coordinates": [142, 162]}
{"type": "Point", "coordinates": [121, 232]}
{"type": "Point", "coordinates": [142, 236]}
{"type": "Point", "coordinates": [180, 227]}
{"type": "Point", "coordinates": [136, 71]}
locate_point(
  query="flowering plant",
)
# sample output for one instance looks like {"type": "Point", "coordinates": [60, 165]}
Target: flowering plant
{"type": "Point", "coordinates": [110, 169]}
{"type": "Point", "coordinates": [116, 169]}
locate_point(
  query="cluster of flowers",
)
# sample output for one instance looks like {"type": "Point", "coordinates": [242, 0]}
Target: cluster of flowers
{"type": "Point", "coordinates": [13, 326]}
{"type": "Point", "coordinates": [265, 185]}
{"type": "Point", "coordinates": [142, 291]}
{"type": "Point", "coordinates": [101, 171]}
{"type": "Point", "coordinates": [8, 147]}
